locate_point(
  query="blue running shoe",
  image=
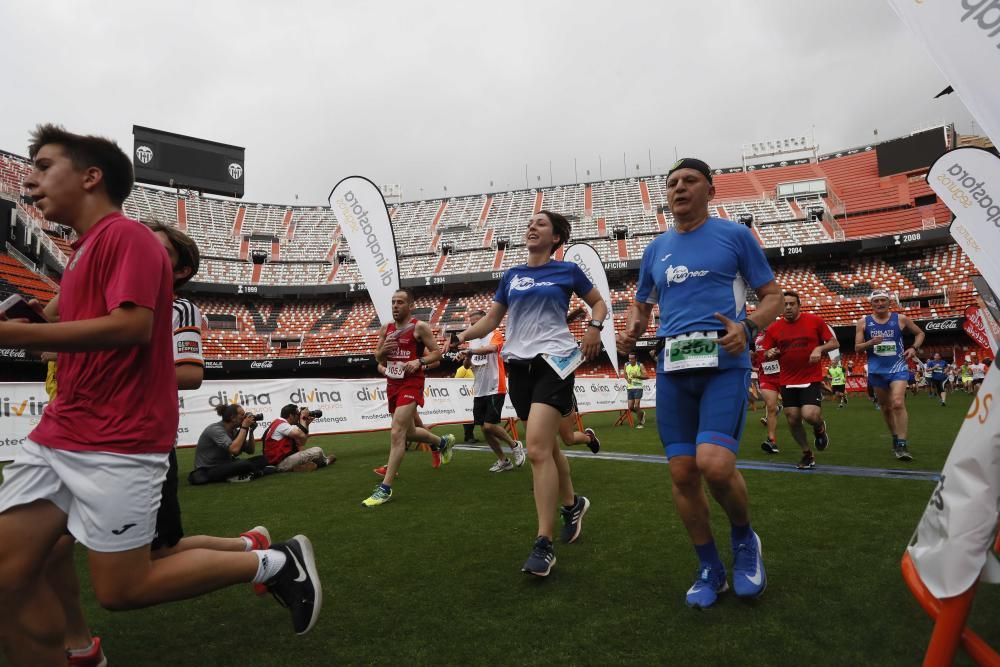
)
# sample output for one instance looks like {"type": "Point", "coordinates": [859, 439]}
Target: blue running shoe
{"type": "Point", "coordinates": [706, 588]}
{"type": "Point", "coordinates": [541, 560]}
{"type": "Point", "coordinates": [749, 578]}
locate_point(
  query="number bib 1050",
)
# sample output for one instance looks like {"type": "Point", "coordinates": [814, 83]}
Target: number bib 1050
{"type": "Point", "coordinates": [885, 348]}
{"type": "Point", "coordinates": [395, 370]}
{"type": "Point", "coordinates": [693, 350]}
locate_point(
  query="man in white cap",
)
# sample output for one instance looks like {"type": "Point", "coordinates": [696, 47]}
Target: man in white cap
{"type": "Point", "coordinates": [881, 336]}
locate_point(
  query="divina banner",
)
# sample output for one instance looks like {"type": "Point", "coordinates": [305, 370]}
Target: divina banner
{"type": "Point", "coordinates": [360, 209]}
{"type": "Point", "coordinates": [347, 405]}
{"type": "Point", "coordinates": [963, 39]}
{"type": "Point", "coordinates": [585, 256]}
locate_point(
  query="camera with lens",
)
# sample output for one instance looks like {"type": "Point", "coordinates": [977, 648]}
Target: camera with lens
{"type": "Point", "coordinates": [315, 414]}
{"type": "Point", "coordinates": [258, 417]}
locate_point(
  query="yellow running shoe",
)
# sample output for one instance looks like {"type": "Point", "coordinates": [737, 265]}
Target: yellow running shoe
{"type": "Point", "coordinates": [447, 445]}
{"type": "Point", "coordinates": [378, 497]}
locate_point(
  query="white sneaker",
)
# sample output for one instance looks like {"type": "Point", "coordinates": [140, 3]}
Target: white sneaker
{"type": "Point", "coordinates": [238, 479]}
{"type": "Point", "coordinates": [518, 452]}
{"type": "Point", "coordinates": [502, 466]}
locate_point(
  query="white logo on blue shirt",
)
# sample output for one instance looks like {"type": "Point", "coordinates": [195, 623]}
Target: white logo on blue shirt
{"type": "Point", "coordinates": [666, 257]}
{"type": "Point", "coordinates": [678, 274]}
{"type": "Point", "coordinates": [525, 283]}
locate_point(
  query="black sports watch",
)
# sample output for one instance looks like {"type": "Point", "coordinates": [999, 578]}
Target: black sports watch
{"type": "Point", "coordinates": [597, 324]}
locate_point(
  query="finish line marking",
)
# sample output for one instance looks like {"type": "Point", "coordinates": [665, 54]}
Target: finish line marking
{"type": "Point", "coordinates": [845, 471]}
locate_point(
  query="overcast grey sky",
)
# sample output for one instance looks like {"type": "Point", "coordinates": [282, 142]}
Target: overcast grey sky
{"type": "Point", "coordinates": [456, 94]}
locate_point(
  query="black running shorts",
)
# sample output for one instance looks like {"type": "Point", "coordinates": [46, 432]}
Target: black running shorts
{"type": "Point", "coordinates": [487, 409]}
{"type": "Point", "coordinates": [796, 397]}
{"type": "Point", "coordinates": [536, 382]}
{"type": "Point", "coordinates": [168, 518]}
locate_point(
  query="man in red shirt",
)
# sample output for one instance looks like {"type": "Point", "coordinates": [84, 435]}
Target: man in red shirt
{"type": "Point", "coordinates": [767, 379]}
{"type": "Point", "coordinates": [95, 464]}
{"type": "Point", "coordinates": [798, 342]}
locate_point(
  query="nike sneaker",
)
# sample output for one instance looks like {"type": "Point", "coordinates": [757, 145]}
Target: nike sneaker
{"type": "Point", "coordinates": [749, 578]}
{"type": "Point", "coordinates": [769, 446]}
{"type": "Point", "coordinates": [573, 519]}
{"type": "Point", "coordinates": [708, 584]}
{"type": "Point", "coordinates": [595, 443]}
{"type": "Point", "coordinates": [296, 586]}
{"type": "Point", "coordinates": [541, 560]}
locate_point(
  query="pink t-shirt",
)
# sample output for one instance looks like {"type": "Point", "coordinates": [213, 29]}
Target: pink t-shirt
{"type": "Point", "coordinates": [121, 400]}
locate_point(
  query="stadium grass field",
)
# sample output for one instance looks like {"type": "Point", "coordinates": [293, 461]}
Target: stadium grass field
{"type": "Point", "coordinates": [433, 577]}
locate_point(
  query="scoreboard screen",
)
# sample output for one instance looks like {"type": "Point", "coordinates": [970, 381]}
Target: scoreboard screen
{"type": "Point", "coordinates": [917, 151]}
{"type": "Point", "coordinates": [175, 160]}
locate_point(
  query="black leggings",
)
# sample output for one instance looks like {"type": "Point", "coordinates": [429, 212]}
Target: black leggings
{"type": "Point", "coordinates": [224, 471]}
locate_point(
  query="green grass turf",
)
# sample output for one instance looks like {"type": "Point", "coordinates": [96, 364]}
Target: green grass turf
{"type": "Point", "coordinates": [433, 577]}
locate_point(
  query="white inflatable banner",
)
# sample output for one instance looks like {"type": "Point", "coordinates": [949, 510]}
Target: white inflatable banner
{"type": "Point", "coordinates": [347, 405]}
{"type": "Point", "coordinates": [963, 39]}
{"type": "Point", "coordinates": [585, 256]}
{"type": "Point", "coordinates": [952, 544]}
{"type": "Point", "coordinates": [968, 182]}
{"type": "Point", "coordinates": [359, 207]}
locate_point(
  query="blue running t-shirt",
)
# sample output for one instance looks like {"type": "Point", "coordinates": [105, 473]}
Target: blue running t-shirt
{"type": "Point", "coordinates": [537, 298]}
{"type": "Point", "coordinates": [696, 274]}
{"type": "Point", "coordinates": [936, 367]}
{"type": "Point", "coordinates": [887, 356]}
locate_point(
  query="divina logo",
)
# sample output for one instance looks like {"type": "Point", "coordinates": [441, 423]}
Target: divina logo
{"type": "Point", "coordinates": [967, 191]}
{"type": "Point", "coordinates": [239, 398]}
{"type": "Point", "coordinates": [29, 407]}
{"type": "Point", "coordinates": [314, 395]}
{"type": "Point", "coordinates": [436, 392]}
{"type": "Point", "coordinates": [985, 14]}
{"type": "Point", "coordinates": [368, 394]}
{"type": "Point", "coordinates": [357, 217]}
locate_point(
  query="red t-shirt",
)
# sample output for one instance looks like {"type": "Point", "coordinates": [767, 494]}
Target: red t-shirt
{"type": "Point", "coordinates": [121, 400]}
{"type": "Point", "coordinates": [795, 341]}
{"type": "Point", "coordinates": [410, 348]}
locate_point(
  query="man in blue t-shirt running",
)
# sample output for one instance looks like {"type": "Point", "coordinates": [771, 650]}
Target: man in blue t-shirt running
{"type": "Point", "coordinates": [937, 368]}
{"type": "Point", "coordinates": [698, 273]}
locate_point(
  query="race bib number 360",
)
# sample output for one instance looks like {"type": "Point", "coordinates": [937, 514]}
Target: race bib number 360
{"type": "Point", "coordinates": [695, 350]}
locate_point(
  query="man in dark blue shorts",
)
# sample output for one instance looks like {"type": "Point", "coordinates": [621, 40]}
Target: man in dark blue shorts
{"type": "Point", "coordinates": [698, 272]}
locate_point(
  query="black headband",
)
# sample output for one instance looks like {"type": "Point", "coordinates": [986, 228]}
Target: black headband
{"type": "Point", "coordinates": [692, 163]}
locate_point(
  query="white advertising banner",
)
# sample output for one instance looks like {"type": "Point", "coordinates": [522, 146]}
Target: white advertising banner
{"type": "Point", "coordinates": [952, 545]}
{"type": "Point", "coordinates": [347, 405]}
{"type": "Point", "coordinates": [963, 39]}
{"type": "Point", "coordinates": [585, 256]}
{"type": "Point", "coordinates": [968, 182]}
{"type": "Point", "coordinates": [359, 207]}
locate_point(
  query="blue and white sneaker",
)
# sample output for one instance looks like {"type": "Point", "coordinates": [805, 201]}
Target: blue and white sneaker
{"type": "Point", "coordinates": [541, 560]}
{"type": "Point", "coordinates": [706, 588]}
{"type": "Point", "coordinates": [749, 578]}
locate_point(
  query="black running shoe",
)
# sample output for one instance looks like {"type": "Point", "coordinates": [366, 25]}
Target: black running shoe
{"type": "Point", "coordinates": [595, 443]}
{"type": "Point", "coordinates": [296, 586]}
{"type": "Point", "coordinates": [821, 440]}
{"type": "Point", "coordinates": [769, 447]}
{"type": "Point", "coordinates": [902, 454]}
{"type": "Point", "coordinates": [808, 462]}
{"type": "Point", "coordinates": [573, 519]}
{"type": "Point", "coordinates": [541, 560]}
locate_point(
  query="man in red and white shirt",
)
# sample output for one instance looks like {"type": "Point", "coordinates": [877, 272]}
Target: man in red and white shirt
{"type": "Point", "coordinates": [768, 371]}
{"type": "Point", "coordinates": [798, 342]}
{"type": "Point", "coordinates": [91, 467]}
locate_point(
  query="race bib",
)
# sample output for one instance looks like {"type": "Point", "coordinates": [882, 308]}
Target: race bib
{"type": "Point", "coordinates": [886, 348]}
{"type": "Point", "coordinates": [479, 359]}
{"type": "Point", "coordinates": [395, 370]}
{"type": "Point", "coordinates": [771, 367]}
{"type": "Point", "coordinates": [564, 365]}
{"type": "Point", "coordinates": [694, 350]}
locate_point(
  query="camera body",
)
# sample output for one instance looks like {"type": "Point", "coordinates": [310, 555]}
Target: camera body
{"type": "Point", "coordinates": [259, 417]}
{"type": "Point", "coordinates": [315, 414]}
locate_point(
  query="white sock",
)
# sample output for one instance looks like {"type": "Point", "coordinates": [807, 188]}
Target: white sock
{"type": "Point", "coordinates": [270, 563]}
{"type": "Point", "coordinates": [247, 543]}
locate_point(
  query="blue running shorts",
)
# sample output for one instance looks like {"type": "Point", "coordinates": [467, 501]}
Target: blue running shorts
{"type": "Point", "coordinates": [884, 380]}
{"type": "Point", "coordinates": [698, 407]}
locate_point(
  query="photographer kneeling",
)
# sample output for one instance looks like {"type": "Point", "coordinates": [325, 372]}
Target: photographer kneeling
{"type": "Point", "coordinates": [284, 442]}
{"type": "Point", "coordinates": [219, 445]}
